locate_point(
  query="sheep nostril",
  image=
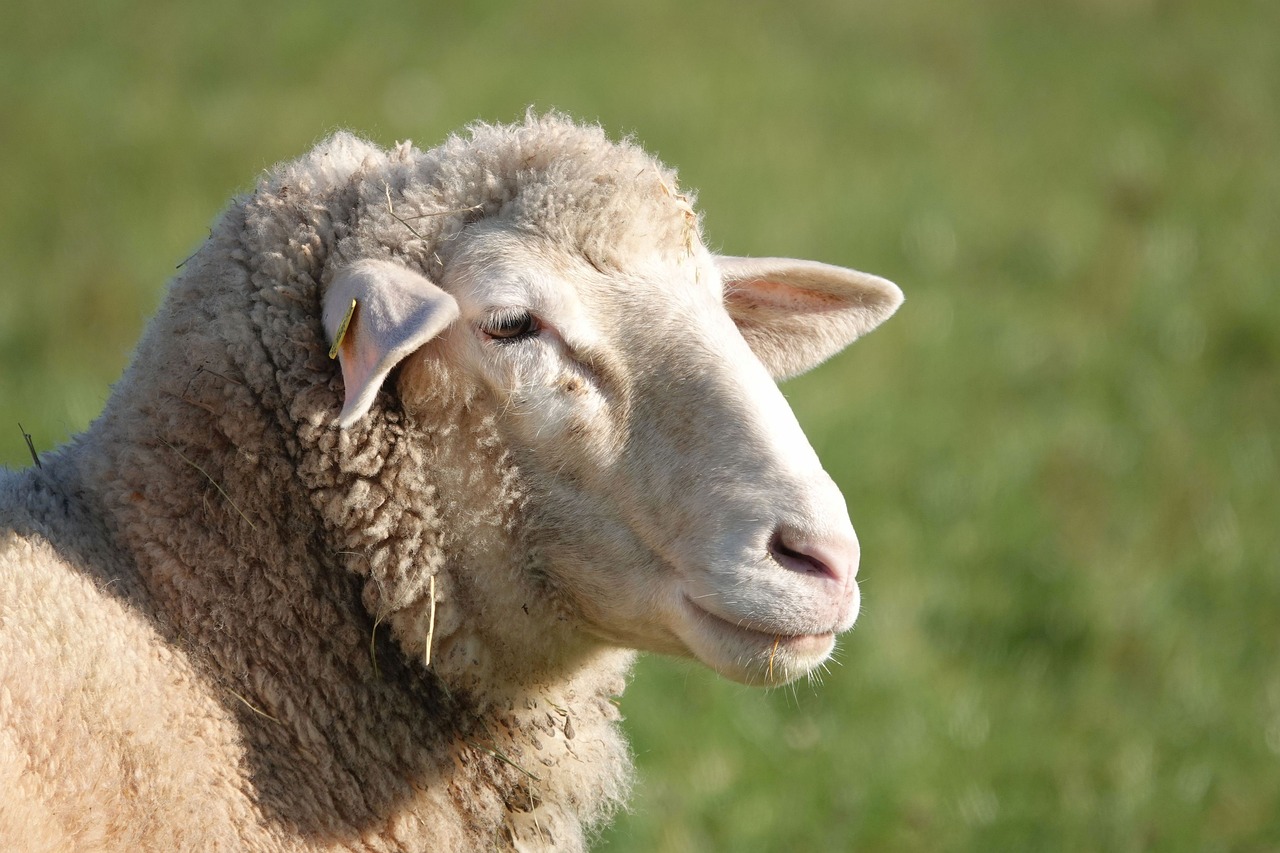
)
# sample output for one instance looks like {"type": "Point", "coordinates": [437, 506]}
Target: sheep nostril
{"type": "Point", "coordinates": [836, 559]}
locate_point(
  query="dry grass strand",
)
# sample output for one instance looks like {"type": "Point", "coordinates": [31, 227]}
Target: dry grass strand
{"type": "Point", "coordinates": [207, 476]}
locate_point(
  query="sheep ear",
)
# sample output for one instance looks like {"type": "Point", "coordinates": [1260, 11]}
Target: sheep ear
{"type": "Point", "coordinates": [796, 314]}
{"type": "Point", "coordinates": [396, 312]}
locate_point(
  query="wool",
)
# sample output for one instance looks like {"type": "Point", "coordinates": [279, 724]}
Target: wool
{"type": "Point", "coordinates": [201, 594]}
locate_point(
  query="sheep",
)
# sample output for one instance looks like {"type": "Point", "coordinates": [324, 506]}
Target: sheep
{"type": "Point", "coordinates": [418, 451]}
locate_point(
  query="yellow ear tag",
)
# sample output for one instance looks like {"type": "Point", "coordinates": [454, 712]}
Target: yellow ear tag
{"type": "Point", "coordinates": [342, 330]}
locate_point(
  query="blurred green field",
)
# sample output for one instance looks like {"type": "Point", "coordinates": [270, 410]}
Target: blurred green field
{"type": "Point", "coordinates": [1061, 455]}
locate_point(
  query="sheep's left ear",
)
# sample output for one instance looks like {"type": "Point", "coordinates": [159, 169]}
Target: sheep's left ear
{"type": "Point", "coordinates": [796, 314]}
{"type": "Point", "coordinates": [396, 311]}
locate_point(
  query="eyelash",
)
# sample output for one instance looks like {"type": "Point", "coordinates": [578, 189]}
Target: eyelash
{"type": "Point", "coordinates": [511, 326]}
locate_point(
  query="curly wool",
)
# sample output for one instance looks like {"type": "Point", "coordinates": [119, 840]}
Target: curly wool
{"type": "Point", "coordinates": [212, 604]}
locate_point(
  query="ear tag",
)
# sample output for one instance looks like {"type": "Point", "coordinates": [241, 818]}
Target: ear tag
{"type": "Point", "coordinates": [342, 330]}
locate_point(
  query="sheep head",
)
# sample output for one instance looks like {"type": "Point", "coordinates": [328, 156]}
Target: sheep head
{"type": "Point", "coordinates": [677, 503]}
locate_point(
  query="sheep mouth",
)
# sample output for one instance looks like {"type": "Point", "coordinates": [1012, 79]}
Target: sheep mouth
{"type": "Point", "coordinates": [756, 656]}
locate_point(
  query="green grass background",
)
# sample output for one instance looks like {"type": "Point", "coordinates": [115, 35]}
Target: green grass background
{"type": "Point", "coordinates": [1061, 455]}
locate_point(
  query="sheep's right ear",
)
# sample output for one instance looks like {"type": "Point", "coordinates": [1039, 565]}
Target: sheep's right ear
{"type": "Point", "coordinates": [396, 311]}
{"type": "Point", "coordinates": [794, 314]}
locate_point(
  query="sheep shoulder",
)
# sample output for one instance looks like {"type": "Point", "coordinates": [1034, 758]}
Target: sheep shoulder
{"type": "Point", "coordinates": [108, 739]}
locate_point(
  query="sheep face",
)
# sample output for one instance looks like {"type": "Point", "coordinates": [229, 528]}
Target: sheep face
{"type": "Point", "coordinates": [672, 498]}
{"type": "Point", "coordinates": [678, 503]}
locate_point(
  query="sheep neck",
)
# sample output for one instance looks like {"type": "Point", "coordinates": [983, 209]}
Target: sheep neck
{"type": "Point", "coordinates": [241, 506]}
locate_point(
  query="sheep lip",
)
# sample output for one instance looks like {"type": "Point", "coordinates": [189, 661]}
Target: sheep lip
{"type": "Point", "coordinates": [804, 644]}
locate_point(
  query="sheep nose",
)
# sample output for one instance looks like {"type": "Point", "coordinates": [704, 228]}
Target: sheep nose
{"type": "Point", "coordinates": [832, 556]}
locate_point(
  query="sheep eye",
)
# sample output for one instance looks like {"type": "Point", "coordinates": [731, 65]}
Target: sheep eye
{"type": "Point", "coordinates": [511, 326]}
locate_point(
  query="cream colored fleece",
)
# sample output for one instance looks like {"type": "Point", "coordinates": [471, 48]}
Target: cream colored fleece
{"type": "Point", "coordinates": [208, 600]}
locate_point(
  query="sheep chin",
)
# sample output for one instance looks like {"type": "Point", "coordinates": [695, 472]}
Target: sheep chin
{"type": "Point", "coordinates": [748, 656]}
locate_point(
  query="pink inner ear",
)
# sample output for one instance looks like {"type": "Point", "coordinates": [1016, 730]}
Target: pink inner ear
{"type": "Point", "coordinates": [397, 310]}
{"type": "Point", "coordinates": [359, 363]}
{"type": "Point", "coordinates": [762, 293]}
